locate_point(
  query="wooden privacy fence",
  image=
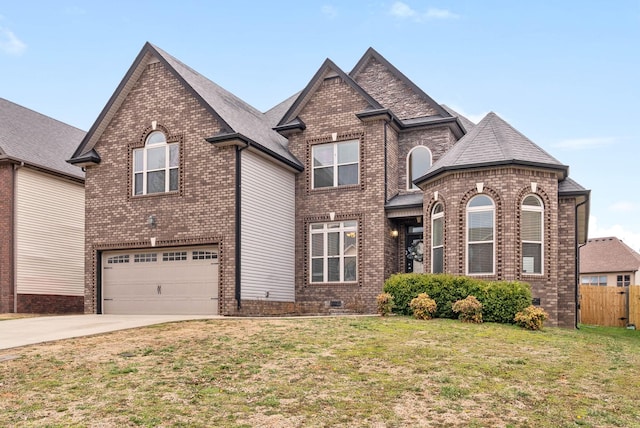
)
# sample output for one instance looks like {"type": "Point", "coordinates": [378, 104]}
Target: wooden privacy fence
{"type": "Point", "coordinates": [610, 306]}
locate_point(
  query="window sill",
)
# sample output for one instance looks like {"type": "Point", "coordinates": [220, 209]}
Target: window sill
{"type": "Point", "coordinates": [155, 195]}
{"type": "Point", "coordinates": [340, 284]}
{"type": "Point", "coordinates": [337, 188]}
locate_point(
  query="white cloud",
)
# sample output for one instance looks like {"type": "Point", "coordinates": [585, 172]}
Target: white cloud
{"type": "Point", "coordinates": [440, 14]}
{"type": "Point", "coordinates": [623, 207]}
{"type": "Point", "coordinates": [10, 43]}
{"type": "Point", "coordinates": [329, 11]}
{"type": "Point", "coordinates": [631, 238]}
{"type": "Point", "coordinates": [404, 11]}
{"type": "Point", "coordinates": [585, 143]}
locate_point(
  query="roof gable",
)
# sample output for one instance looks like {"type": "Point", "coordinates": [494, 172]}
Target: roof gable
{"type": "Point", "coordinates": [610, 254]}
{"type": "Point", "coordinates": [37, 140]}
{"type": "Point", "coordinates": [493, 142]}
{"type": "Point", "coordinates": [237, 118]}
{"type": "Point", "coordinates": [372, 59]}
{"type": "Point", "coordinates": [327, 70]}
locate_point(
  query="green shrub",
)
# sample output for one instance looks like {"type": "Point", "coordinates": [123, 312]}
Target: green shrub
{"type": "Point", "coordinates": [423, 307]}
{"type": "Point", "coordinates": [531, 318]}
{"type": "Point", "coordinates": [470, 310]}
{"type": "Point", "coordinates": [501, 300]}
{"type": "Point", "coordinates": [384, 302]}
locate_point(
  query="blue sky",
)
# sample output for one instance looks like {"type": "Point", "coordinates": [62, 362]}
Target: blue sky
{"type": "Point", "coordinates": [564, 73]}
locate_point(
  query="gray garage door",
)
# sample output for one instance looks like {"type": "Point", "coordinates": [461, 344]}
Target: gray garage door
{"type": "Point", "coordinates": [161, 281]}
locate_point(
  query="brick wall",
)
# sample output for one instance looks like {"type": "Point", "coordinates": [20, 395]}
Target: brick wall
{"type": "Point", "coordinates": [49, 304]}
{"type": "Point", "coordinates": [202, 212]}
{"type": "Point", "coordinates": [332, 110]}
{"type": "Point", "coordinates": [392, 92]}
{"type": "Point", "coordinates": [6, 238]}
{"type": "Point", "coordinates": [507, 187]}
{"type": "Point", "coordinates": [437, 140]}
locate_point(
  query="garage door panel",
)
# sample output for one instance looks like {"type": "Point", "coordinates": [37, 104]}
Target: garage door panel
{"type": "Point", "coordinates": [161, 281]}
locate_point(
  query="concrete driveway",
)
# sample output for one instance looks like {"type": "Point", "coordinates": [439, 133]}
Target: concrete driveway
{"type": "Point", "coordinates": [29, 331]}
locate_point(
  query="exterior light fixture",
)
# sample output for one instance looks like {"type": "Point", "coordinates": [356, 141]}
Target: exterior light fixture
{"type": "Point", "coordinates": [394, 233]}
{"type": "Point", "coordinates": [151, 221]}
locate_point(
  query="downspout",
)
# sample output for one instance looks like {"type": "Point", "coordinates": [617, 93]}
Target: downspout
{"type": "Point", "coordinates": [385, 162]}
{"type": "Point", "coordinates": [238, 222]}
{"type": "Point", "coordinates": [14, 277]}
{"type": "Point", "coordinates": [577, 269]}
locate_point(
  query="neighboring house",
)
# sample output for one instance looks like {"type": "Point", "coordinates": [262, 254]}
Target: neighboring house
{"type": "Point", "coordinates": [609, 262]}
{"type": "Point", "coordinates": [41, 214]}
{"type": "Point", "coordinates": [199, 203]}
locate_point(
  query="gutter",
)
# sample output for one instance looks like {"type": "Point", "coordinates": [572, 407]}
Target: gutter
{"type": "Point", "coordinates": [386, 179]}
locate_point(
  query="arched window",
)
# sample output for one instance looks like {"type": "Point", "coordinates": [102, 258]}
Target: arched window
{"type": "Point", "coordinates": [480, 236]}
{"type": "Point", "coordinates": [155, 166]}
{"type": "Point", "coordinates": [437, 239]}
{"type": "Point", "coordinates": [531, 234]}
{"type": "Point", "coordinates": [418, 163]}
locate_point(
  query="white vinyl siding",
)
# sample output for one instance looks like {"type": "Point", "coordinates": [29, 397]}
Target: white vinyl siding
{"type": "Point", "coordinates": [267, 230]}
{"type": "Point", "coordinates": [49, 235]}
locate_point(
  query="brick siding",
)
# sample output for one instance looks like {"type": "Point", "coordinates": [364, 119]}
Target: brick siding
{"type": "Point", "coordinates": [202, 212]}
{"type": "Point", "coordinates": [6, 238]}
{"type": "Point", "coordinates": [49, 304]}
{"type": "Point", "coordinates": [507, 187]}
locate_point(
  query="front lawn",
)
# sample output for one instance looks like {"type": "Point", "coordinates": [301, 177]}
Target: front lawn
{"type": "Point", "coordinates": [325, 372]}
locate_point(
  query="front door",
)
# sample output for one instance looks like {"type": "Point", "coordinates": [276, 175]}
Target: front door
{"type": "Point", "coordinates": [415, 249]}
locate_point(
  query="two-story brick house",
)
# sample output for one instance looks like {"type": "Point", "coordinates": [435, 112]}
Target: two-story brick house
{"type": "Point", "coordinates": [199, 203]}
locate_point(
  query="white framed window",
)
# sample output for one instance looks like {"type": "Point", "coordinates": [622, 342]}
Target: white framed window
{"type": "Point", "coordinates": [155, 166]}
{"type": "Point", "coordinates": [122, 258]}
{"type": "Point", "coordinates": [531, 233]}
{"type": "Point", "coordinates": [418, 163]}
{"type": "Point", "coordinates": [437, 239]}
{"type": "Point", "coordinates": [480, 236]}
{"type": "Point", "coordinates": [335, 164]}
{"type": "Point", "coordinates": [174, 256]}
{"type": "Point", "coordinates": [600, 280]}
{"type": "Point", "coordinates": [334, 252]}
{"type": "Point", "coordinates": [623, 280]}
{"type": "Point", "coordinates": [145, 258]}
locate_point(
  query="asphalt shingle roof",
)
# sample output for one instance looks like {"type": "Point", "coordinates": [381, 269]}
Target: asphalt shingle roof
{"type": "Point", "coordinates": [241, 117]}
{"type": "Point", "coordinates": [37, 140]}
{"type": "Point", "coordinates": [493, 142]}
{"type": "Point", "coordinates": [610, 254]}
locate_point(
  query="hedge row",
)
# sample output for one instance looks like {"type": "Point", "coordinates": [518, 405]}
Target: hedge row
{"type": "Point", "coordinates": [501, 300]}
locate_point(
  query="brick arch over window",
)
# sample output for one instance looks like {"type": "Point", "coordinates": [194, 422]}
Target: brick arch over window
{"type": "Point", "coordinates": [546, 201]}
{"type": "Point", "coordinates": [429, 233]}
{"type": "Point", "coordinates": [170, 138]}
{"type": "Point", "coordinates": [498, 231]}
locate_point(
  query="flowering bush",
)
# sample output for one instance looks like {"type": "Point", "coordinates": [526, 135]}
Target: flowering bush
{"type": "Point", "coordinates": [470, 310]}
{"type": "Point", "coordinates": [423, 307]}
{"type": "Point", "coordinates": [531, 318]}
{"type": "Point", "coordinates": [384, 301]}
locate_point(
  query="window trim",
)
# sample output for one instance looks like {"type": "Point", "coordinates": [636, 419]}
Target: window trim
{"type": "Point", "coordinates": [436, 216]}
{"type": "Point", "coordinates": [335, 164]}
{"type": "Point", "coordinates": [410, 185]}
{"type": "Point", "coordinates": [168, 144]}
{"type": "Point", "coordinates": [341, 229]}
{"type": "Point", "coordinates": [469, 210]}
{"type": "Point", "coordinates": [538, 209]}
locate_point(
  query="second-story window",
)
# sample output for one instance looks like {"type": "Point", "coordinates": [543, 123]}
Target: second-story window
{"type": "Point", "coordinates": [335, 164]}
{"type": "Point", "coordinates": [155, 166]}
{"type": "Point", "coordinates": [418, 163]}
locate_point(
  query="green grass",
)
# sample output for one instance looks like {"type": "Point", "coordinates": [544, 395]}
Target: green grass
{"type": "Point", "coordinates": [351, 372]}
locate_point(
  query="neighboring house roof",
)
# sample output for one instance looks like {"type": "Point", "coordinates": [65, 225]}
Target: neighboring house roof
{"type": "Point", "coordinates": [37, 140]}
{"type": "Point", "coordinates": [493, 142]}
{"type": "Point", "coordinates": [610, 254]}
{"type": "Point", "coordinates": [238, 119]}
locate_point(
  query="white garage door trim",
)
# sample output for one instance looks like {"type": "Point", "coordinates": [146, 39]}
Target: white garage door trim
{"type": "Point", "coordinates": [167, 281]}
